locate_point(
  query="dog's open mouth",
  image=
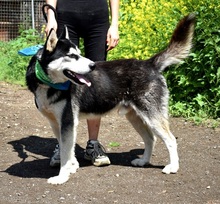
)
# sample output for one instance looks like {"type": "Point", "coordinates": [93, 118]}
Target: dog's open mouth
{"type": "Point", "coordinates": [78, 78]}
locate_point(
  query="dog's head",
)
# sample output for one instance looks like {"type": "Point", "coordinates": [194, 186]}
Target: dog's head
{"type": "Point", "coordinates": [62, 61]}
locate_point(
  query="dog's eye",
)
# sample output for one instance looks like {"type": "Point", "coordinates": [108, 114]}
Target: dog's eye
{"type": "Point", "coordinates": [73, 56]}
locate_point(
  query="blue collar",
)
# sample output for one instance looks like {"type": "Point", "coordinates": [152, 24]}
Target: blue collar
{"type": "Point", "coordinates": [42, 76]}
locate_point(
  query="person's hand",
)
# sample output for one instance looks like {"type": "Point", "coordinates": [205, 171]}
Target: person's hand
{"type": "Point", "coordinates": [112, 37]}
{"type": "Point", "coordinates": [52, 23]}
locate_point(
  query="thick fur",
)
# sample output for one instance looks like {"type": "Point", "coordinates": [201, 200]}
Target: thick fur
{"type": "Point", "coordinates": [136, 87]}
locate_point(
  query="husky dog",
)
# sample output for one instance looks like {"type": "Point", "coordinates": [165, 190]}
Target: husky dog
{"type": "Point", "coordinates": [67, 86]}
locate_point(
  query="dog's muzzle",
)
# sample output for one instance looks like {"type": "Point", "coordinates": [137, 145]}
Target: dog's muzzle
{"type": "Point", "coordinates": [77, 78]}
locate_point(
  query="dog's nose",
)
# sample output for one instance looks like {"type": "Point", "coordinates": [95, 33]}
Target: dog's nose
{"type": "Point", "coordinates": [92, 65]}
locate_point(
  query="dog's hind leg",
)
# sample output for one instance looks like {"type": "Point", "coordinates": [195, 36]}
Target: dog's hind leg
{"type": "Point", "coordinates": [159, 126]}
{"type": "Point", "coordinates": [146, 134]}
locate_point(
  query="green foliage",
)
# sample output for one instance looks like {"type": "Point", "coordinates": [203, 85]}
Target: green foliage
{"type": "Point", "coordinates": [195, 85]}
{"type": "Point", "coordinates": [13, 66]}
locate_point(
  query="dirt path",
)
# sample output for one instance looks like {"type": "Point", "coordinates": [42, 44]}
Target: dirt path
{"type": "Point", "coordinates": [26, 144]}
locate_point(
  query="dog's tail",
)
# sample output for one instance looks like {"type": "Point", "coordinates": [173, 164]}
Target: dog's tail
{"type": "Point", "coordinates": [179, 46]}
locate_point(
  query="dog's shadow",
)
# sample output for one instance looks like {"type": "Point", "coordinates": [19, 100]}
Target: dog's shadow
{"type": "Point", "coordinates": [32, 165]}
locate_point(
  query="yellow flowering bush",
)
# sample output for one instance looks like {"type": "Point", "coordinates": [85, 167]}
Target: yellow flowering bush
{"type": "Point", "coordinates": [146, 26]}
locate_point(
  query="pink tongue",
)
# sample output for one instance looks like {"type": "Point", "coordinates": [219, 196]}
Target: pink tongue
{"type": "Point", "coordinates": [83, 80]}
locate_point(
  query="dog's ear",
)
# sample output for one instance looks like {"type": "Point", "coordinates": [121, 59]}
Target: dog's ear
{"type": "Point", "coordinates": [65, 33]}
{"type": "Point", "coordinates": [51, 40]}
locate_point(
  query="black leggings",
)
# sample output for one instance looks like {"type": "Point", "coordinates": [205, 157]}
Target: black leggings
{"type": "Point", "coordinates": [87, 19]}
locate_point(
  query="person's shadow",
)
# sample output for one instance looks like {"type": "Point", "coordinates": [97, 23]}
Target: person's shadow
{"type": "Point", "coordinates": [39, 167]}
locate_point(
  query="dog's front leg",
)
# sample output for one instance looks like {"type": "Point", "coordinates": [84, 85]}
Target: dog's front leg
{"type": "Point", "coordinates": [69, 163]}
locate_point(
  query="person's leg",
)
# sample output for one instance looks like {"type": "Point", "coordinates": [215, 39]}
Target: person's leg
{"type": "Point", "coordinates": [93, 128]}
{"type": "Point", "coordinates": [64, 20]}
{"type": "Point", "coordinates": [95, 49]}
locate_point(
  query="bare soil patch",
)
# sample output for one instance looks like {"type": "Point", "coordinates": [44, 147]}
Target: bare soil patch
{"type": "Point", "coordinates": [27, 142]}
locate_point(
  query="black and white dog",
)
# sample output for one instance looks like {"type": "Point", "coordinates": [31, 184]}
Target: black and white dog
{"type": "Point", "coordinates": [67, 86]}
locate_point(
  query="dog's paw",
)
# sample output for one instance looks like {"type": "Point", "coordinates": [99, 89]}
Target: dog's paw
{"type": "Point", "coordinates": [74, 168]}
{"type": "Point", "coordinates": [170, 169]}
{"type": "Point", "coordinates": [139, 162]}
{"type": "Point", "coordinates": [58, 180]}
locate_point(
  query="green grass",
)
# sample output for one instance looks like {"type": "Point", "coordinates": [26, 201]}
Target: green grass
{"type": "Point", "coordinates": [13, 66]}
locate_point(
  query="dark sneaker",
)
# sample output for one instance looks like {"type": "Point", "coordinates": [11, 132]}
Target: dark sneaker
{"type": "Point", "coordinates": [55, 159]}
{"type": "Point", "coordinates": [95, 152]}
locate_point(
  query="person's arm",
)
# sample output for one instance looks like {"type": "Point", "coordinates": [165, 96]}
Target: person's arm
{"type": "Point", "coordinates": [52, 23]}
{"type": "Point", "coordinates": [113, 34]}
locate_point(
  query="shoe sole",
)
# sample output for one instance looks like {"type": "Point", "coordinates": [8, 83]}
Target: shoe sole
{"type": "Point", "coordinates": [101, 162]}
{"type": "Point", "coordinates": [98, 162]}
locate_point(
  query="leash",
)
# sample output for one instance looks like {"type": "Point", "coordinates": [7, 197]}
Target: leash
{"type": "Point", "coordinates": [49, 7]}
{"type": "Point", "coordinates": [33, 50]}
{"type": "Point", "coordinates": [40, 74]}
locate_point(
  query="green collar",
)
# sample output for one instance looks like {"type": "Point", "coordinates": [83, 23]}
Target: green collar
{"type": "Point", "coordinates": [42, 76]}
